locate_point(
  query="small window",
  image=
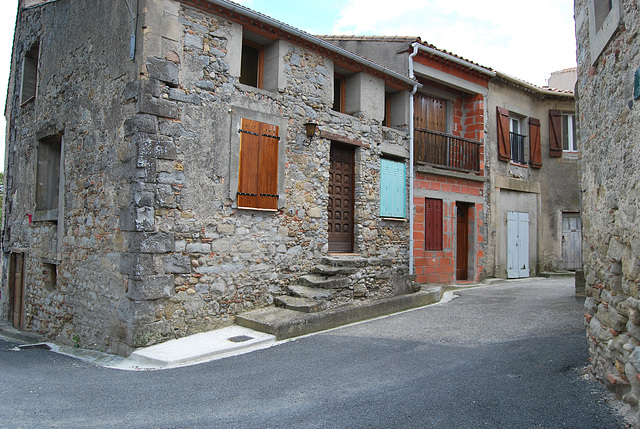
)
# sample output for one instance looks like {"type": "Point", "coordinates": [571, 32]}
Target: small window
{"type": "Point", "coordinates": [48, 177]}
{"type": "Point", "coordinates": [252, 64]}
{"type": "Point", "coordinates": [569, 143]}
{"type": "Point", "coordinates": [433, 224]}
{"type": "Point", "coordinates": [339, 93]}
{"type": "Point", "coordinates": [258, 169]}
{"type": "Point", "coordinates": [393, 188]}
{"type": "Point", "coordinates": [386, 122]}
{"type": "Point", "coordinates": [30, 74]}
{"type": "Point", "coordinates": [517, 140]}
{"type": "Point", "coordinates": [602, 9]}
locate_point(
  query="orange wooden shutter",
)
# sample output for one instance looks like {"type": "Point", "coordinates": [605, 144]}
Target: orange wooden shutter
{"type": "Point", "coordinates": [268, 168]}
{"type": "Point", "coordinates": [258, 175]}
{"type": "Point", "coordinates": [249, 159]}
{"type": "Point", "coordinates": [555, 133]}
{"type": "Point", "coordinates": [504, 143]}
{"type": "Point", "coordinates": [534, 143]}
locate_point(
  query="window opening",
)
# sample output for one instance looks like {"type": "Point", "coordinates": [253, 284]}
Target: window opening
{"type": "Point", "coordinates": [569, 142]}
{"type": "Point", "coordinates": [30, 74]}
{"type": "Point", "coordinates": [48, 175]}
{"type": "Point", "coordinates": [251, 65]}
{"type": "Point", "coordinates": [517, 140]}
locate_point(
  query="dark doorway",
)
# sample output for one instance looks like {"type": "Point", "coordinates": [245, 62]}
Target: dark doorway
{"type": "Point", "coordinates": [341, 181]}
{"type": "Point", "coordinates": [16, 289]}
{"type": "Point", "coordinates": [462, 241]}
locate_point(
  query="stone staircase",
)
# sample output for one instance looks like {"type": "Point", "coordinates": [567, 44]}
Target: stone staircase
{"type": "Point", "coordinates": [327, 297]}
{"type": "Point", "coordinates": [328, 282]}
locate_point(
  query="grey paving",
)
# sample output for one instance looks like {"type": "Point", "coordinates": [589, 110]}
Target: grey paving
{"type": "Point", "coordinates": [505, 356]}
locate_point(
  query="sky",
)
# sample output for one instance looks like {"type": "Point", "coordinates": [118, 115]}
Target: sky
{"type": "Point", "coordinates": [527, 40]}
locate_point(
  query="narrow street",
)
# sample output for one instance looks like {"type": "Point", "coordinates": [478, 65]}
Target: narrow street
{"type": "Point", "coordinates": [508, 355]}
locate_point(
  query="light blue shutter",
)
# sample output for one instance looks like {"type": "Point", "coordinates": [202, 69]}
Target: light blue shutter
{"type": "Point", "coordinates": [393, 188]}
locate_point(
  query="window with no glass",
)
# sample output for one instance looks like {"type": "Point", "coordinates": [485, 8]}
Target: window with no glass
{"type": "Point", "coordinates": [251, 64]}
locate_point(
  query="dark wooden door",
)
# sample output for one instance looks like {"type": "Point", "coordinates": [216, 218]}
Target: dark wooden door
{"type": "Point", "coordinates": [462, 241]}
{"type": "Point", "coordinates": [16, 289]}
{"type": "Point", "coordinates": [341, 180]}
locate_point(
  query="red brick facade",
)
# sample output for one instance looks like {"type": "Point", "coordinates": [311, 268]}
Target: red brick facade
{"type": "Point", "coordinates": [467, 121]}
{"type": "Point", "coordinates": [440, 266]}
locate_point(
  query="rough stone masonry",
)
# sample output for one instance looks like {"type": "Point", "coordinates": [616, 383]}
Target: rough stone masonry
{"type": "Point", "coordinates": [148, 242]}
{"type": "Point", "coordinates": [608, 57]}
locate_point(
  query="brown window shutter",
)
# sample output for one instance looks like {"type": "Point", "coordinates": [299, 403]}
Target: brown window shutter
{"type": "Point", "coordinates": [433, 224]}
{"type": "Point", "coordinates": [268, 168]}
{"type": "Point", "coordinates": [249, 159]}
{"type": "Point", "coordinates": [504, 143]}
{"type": "Point", "coordinates": [555, 133]}
{"type": "Point", "coordinates": [258, 175]}
{"type": "Point", "coordinates": [534, 143]}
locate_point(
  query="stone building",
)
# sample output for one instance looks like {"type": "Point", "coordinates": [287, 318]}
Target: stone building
{"type": "Point", "coordinates": [608, 91]}
{"type": "Point", "coordinates": [534, 176]}
{"type": "Point", "coordinates": [449, 175]}
{"type": "Point", "coordinates": [160, 179]}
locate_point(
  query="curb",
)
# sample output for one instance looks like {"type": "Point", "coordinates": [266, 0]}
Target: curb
{"type": "Point", "coordinates": [284, 323]}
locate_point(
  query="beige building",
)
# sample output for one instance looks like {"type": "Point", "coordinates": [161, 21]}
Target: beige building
{"type": "Point", "coordinates": [534, 175]}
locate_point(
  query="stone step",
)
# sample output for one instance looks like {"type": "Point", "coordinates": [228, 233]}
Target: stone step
{"type": "Point", "coordinates": [318, 281]}
{"type": "Point", "coordinates": [311, 292]}
{"type": "Point", "coordinates": [304, 305]}
{"type": "Point", "coordinates": [284, 323]}
{"type": "Point", "coordinates": [354, 261]}
{"type": "Point", "coordinates": [329, 270]}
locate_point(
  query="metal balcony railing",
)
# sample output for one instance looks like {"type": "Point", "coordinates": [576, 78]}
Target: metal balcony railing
{"type": "Point", "coordinates": [446, 150]}
{"type": "Point", "coordinates": [517, 147]}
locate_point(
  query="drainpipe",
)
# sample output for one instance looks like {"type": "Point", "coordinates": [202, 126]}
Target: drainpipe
{"type": "Point", "coordinates": [415, 46]}
{"type": "Point", "coordinates": [134, 24]}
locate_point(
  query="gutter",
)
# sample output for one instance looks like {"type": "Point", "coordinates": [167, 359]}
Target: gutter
{"type": "Point", "coordinates": [308, 37]}
{"type": "Point", "coordinates": [415, 46]}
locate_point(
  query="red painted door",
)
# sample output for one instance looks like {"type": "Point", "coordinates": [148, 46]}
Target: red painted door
{"type": "Point", "coordinates": [341, 181]}
{"type": "Point", "coordinates": [462, 241]}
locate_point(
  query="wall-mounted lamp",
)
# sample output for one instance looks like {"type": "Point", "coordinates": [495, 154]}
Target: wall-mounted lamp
{"type": "Point", "coordinates": [311, 128]}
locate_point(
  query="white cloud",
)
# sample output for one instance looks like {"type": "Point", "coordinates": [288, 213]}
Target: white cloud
{"type": "Point", "coordinates": [525, 39]}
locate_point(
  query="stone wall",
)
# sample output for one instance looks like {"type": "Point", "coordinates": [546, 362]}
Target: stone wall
{"type": "Point", "coordinates": [153, 245]}
{"type": "Point", "coordinates": [608, 135]}
{"type": "Point", "coordinates": [82, 76]}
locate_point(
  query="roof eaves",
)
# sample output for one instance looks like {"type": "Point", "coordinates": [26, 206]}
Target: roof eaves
{"type": "Point", "coordinates": [243, 10]}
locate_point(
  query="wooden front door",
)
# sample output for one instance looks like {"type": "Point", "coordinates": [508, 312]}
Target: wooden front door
{"type": "Point", "coordinates": [462, 241]}
{"type": "Point", "coordinates": [341, 181]}
{"type": "Point", "coordinates": [571, 241]}
{"type": "Point", "coordinates": [16, 289]}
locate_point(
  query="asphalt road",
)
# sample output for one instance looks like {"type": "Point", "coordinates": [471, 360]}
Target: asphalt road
{"type": "Point", "coordinates": [503, 356]}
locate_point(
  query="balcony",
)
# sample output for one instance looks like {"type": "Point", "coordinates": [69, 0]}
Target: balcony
{"type": "Point", "coordinates": [445, 150]}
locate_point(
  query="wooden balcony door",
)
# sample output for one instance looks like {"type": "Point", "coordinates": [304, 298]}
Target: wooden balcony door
{"type": "Point", "coordinates": [341, 200]}
{"type": "Point", "coordinates": [430, 114]}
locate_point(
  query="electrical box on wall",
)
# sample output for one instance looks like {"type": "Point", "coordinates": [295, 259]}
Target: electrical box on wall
{"type": "Point", "coordinates": [636, 84]}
